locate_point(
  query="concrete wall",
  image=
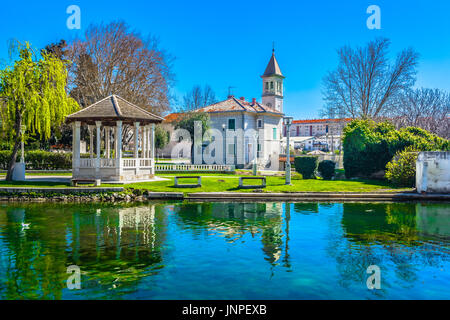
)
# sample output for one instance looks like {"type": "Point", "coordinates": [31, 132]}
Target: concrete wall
{"type": "Point", "coordinates": [433, 172]}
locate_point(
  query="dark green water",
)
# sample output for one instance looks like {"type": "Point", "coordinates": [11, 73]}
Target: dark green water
{"type": "Point", "coordinates": [225, 250]}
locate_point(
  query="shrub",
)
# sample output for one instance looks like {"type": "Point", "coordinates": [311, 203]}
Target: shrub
{"type": "Point", "coordinates": [369, 146]}
{"type": "Point", "coordinates": [296, 176]}
{"type": "Point", "coordinates": [326, 169]}
{"type": "Point", "coordinates": [39, 160]}
{"type": "Point", "coordinates": [307, 166]}
{"type": "Point", "coordinates": [401, 170]}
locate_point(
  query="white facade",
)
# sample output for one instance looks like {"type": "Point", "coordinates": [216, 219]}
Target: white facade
{"type": "Point", "coordinates": [240, 150]}
{"type": "Point", "coordinates": [433, 172]}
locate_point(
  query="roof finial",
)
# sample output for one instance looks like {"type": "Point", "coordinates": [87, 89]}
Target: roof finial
{"type": "Point", "coordinates": [273, 47]}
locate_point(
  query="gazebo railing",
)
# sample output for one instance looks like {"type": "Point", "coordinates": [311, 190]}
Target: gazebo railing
{"type": "Point", "coordinates": [87, 163]}
{"type": "Point", "coordinates": [195, 167]}
{"type": "Point", "coordinates": [111, 163]}
{"type": "Point", "coordinates": [107, 163]}
{"type": "Point", "coordinates": [143, 163]}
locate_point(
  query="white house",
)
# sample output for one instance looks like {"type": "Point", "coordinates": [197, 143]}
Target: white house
{"type": "Point", "coordinates": [250, 126]}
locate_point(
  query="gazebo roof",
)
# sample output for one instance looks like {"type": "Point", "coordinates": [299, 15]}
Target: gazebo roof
{"type": "Point", "coordinates": [111, 109]}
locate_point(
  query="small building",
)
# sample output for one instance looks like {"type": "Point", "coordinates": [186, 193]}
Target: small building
{"type": "Point", "coordinates": [107, 119]}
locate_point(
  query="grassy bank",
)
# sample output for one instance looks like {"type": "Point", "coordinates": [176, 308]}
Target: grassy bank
{"type": "Point", "coordinates": [220, 182]}
{"type": "Point", "coordinates": [224, 183]}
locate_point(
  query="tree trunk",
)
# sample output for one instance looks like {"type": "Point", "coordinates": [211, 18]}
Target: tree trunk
{"type": "Point", "coordinates": [13, 158]}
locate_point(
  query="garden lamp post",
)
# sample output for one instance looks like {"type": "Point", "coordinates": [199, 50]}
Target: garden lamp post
{"type": "Point", "coordinates": [287, 121]}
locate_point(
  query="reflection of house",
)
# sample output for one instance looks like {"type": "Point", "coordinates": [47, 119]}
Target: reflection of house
{"type": "Point", "coordinates": [234, 220]}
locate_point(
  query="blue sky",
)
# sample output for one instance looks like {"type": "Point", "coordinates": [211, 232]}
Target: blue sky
{"type": "Point", "coordinates": [228, 43]}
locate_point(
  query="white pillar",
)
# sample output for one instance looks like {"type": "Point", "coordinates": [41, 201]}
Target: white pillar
{"type": "Point", "coordinates": [99, 147]}
{"type": "Point", "coordinates": [107, 143]}
{"type": "Point", "coordinates": [91, 141]}
{"type": "Point", "coordinates": [136, 139]}
{"type": "Point", "coordinates": [153, 141]}
{"type": "Point", "coordinates": [136, 145]}
{"type": "Point", "coordinates": [76, 148]}
{"type": "Point", "coordinates": [118, 138]}
{"type": "Point", "coordinates": [148, 141]}
{"type": "Point", "coordinates": [144, 142]}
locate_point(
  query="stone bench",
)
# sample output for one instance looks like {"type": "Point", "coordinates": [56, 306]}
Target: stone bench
{"type": "Point", "coordinates": [198, 185]}
{"type": "Point", "coordinates": [261, 186]}
{"type": "Point", "coordinates": [96, 182]}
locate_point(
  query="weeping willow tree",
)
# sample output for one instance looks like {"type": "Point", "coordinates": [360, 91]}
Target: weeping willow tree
{"type": "Point", "coordinates": [33, 95]}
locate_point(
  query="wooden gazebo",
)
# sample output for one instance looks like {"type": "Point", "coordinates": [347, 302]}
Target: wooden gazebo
{"type": "Point", "coordinates": [108, 116]}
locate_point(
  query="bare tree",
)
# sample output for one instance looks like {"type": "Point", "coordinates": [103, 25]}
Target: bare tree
{"type": "Point", "coordinates": [425, 108]}
{"type": "Point", "coordinates": [198, 98]}
{"type": "Point", "coordinates": [112, 59]}
{"type": "Point", "coordinates": [365, 83]}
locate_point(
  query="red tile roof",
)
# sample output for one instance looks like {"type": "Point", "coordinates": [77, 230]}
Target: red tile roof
{"type": "Point", "coordinates": [232, 104]}
{"type": "Point", "coordinates": [172, 117]}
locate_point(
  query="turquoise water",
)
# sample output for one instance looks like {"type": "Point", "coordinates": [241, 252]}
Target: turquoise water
{"type": "Point", "coordinates": [225, 250]}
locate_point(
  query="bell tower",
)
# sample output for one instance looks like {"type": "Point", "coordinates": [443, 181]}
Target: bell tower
{"type": "Point", "coordinates": [273, 85]}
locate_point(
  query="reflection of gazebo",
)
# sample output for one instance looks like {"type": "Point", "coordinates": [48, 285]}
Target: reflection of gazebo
{"type": "Point", "coordinates": [108, 116]}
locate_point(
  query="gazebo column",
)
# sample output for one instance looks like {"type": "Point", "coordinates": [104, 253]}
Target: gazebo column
{"type": "Point", "coordinates": [107, 143]}
{"type": "Point", "coordinates": [99, 148]}
{"type": "Point", "coordinates": [76, 148]}
{"type": "Point", "coordinates": [144, 142]}
{"type": "Point", "coordinates": [152, 136]}
{"type": "Point", "coordinates": [91, 141]}
{"type": "Point", "coordinates": [136, 145]}
{"type": "Point", "coordinates": [118, 145]}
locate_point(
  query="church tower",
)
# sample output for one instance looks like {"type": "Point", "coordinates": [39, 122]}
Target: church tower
{"type": "Point", "coordinates": [273, 85]}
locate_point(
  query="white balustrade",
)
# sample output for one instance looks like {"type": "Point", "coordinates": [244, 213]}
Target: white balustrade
{"type": "Point", "coordinates": [107, 163]}
{"type": "Point", "coordinates": [87, 163]}
{"type": "Point", "coordinates": [193, 167]}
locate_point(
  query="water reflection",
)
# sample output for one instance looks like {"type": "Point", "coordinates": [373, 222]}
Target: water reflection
{"type": "Point", "coordinates": [233, 220]}
{"type": "Point", "coordinates": [402, 238]}
{"type": "Point", "coordinates": [279, 250]}
{"type": "Point", "coordinates": [114, 247]}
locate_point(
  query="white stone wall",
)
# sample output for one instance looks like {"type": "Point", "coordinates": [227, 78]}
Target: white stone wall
{"type": "Point", "coordinates": [433, 172]}
{"type": "Point", "coordinates": [270, 148]}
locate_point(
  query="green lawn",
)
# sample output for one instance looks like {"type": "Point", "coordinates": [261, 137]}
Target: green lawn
{"type": "Point", "coordinates": [221, 182]}
{"type": "Point", "coordinates": [274, 184]}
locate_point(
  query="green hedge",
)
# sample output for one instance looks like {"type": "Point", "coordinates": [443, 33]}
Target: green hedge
{"type": "Point", "coordinates": [39, 160]}
{"type": "Point", "coordinates": [307, 166]}
{"type": "Point", "coordinates": [326, 169]}
{"type": "Point", "coordinates": [369, 146]}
